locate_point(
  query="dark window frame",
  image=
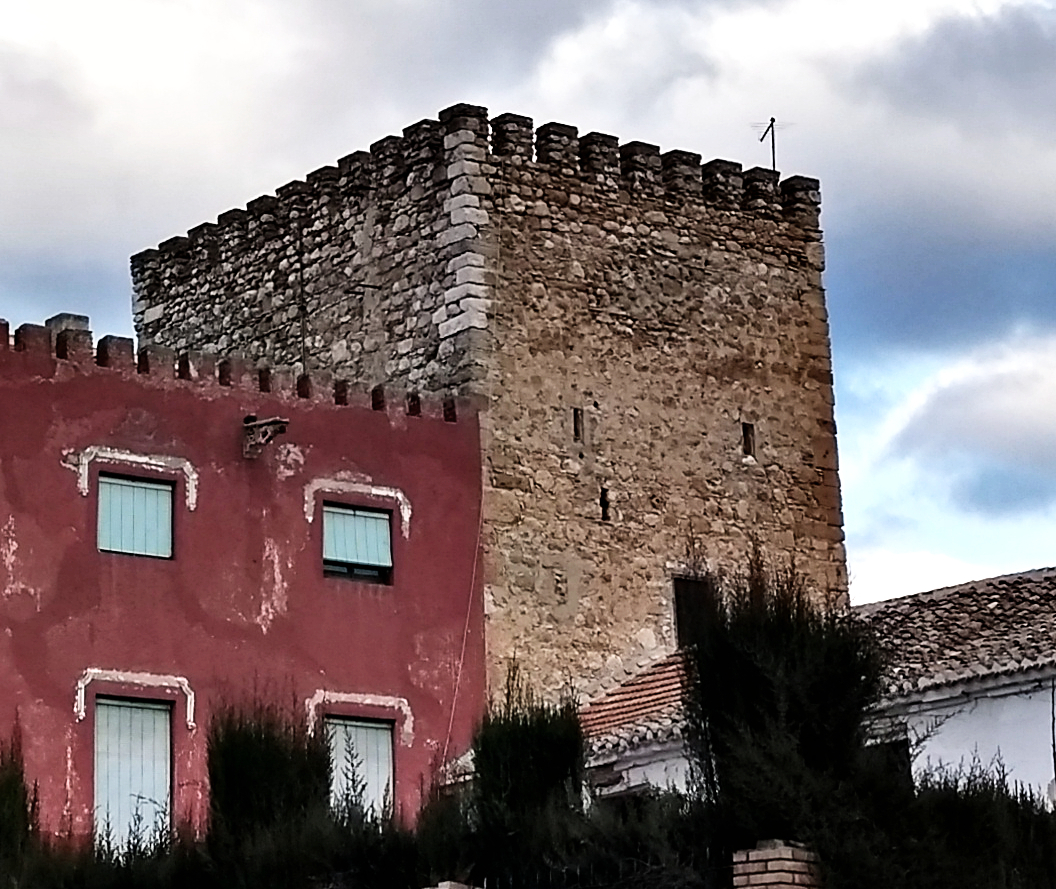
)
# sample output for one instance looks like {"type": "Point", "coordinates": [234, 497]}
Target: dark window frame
{"type": "Point", "coordinates": [686, 595]}
{"type": "Point", "coordinates": [378, 574]}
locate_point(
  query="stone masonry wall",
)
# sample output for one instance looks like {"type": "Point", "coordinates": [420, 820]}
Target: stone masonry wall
{"type": "Point", "coordinates": [619, 314]}
{"type": "Point", "coordinates": [669, 310]}
{"type": "Point", "coordinates": [360, 269]}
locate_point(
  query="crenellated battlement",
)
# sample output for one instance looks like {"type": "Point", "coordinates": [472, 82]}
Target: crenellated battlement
{"type": "Point", "coordinates": [402, 237]}
{"type": "Point", "coordinates": [597, 160]}
{"type": "Point", "coordinates": [72, 349]}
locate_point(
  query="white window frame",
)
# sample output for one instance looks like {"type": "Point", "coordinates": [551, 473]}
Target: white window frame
{"type": "Point", "coordinates": [153, 485]}
{"type": "Point", "coordinates": [378, 778]}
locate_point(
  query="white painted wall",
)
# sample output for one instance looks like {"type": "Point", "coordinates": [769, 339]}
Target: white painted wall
{"type": "Point", "coordinates": [662, 765]}
{"type": "Point", "coordinates": [1008, 719]}
{"type": "Point", "coordinates": [1013, 723]}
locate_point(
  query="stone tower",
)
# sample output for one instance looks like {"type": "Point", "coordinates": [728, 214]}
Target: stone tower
{"type": "Point", "coordinates": [646, 338]}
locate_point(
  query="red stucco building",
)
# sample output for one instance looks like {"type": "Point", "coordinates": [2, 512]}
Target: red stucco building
{"type": "Point", "coordinates": [159, 555]}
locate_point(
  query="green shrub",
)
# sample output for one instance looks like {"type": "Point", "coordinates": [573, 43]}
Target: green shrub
{"type": "Point", "coordinates": [271, 823]}
{"type": "Point", "coordinates": [522, 822]}
{"type": "Point", "coordinates": [265, 769]}
{"type": "Point", "coordinates": [778, 694]}
{"type": "Point", "coordinates": [527, 755]}
{"type": "Point", "coordinates": [778, 705]}
{"type": "Point", "coordinates": [970, 828]}
{"type": "Point", "coordinates": [18, 804]}
{"type": "Point", "coordinates": [525, 800]}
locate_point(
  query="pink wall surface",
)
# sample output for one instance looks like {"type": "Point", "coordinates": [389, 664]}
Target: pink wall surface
{"type": "Point", "coordinates": [243, 604]}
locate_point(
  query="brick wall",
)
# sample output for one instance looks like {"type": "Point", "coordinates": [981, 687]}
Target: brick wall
{"type": "Point", "coordinates": [773, 864]}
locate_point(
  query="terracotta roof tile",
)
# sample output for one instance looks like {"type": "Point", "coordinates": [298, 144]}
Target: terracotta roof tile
{"type": "Point", "coordinates": [647, 707]}
{"type": "Point", "coordinates": [991, 627]}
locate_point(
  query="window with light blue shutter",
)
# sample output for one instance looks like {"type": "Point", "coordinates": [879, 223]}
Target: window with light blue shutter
{"type": "Point", "coordinates": [361, 761]}
{"type": "Point", "coordinates": [135, 517]}
{"type": "Point", "coordinates": [357, 543]}
{"type": "Point", "coordinates": [133, 770]}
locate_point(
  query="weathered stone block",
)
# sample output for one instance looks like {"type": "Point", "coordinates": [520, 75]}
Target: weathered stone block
{"type": "Point", "coordinates": [471, 185]}
{"type": "Point", "coordinates": [466, 259]}
{"type": "Point", "coordinates": [456, 233]}
{"type": "Point", "coordinates": [33, 338]}
{"type": "Point", "coordinates": [459, 137]}
{"type": "Point", "coordinates": [115, 352]}
{"type": "Point", "coordinates": [237, 372]}
{"type": "Point", "coordinates": [463, 321]}
{"type": "Point", "coordinates": [512, 136]}
{"type": "Point", "coordinates": [468, 289]}
{"type": "Point", "coordinates": [197, 366]}
{"type": "Point", "coordinates": [462, 200]}
{"type": "Point", "coordinates": [471, 275]}
{"type": "Point", "coordinates": [471, 215]}
{"type": "Point", "coordinates": [66, 321]}
{"type": "Point", "coordinates": [75, 345]}
{"type": "Point", "coordinates": [159, 361]}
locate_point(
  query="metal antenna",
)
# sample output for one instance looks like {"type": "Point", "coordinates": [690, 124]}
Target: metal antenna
{"type": "Point", "coordinates": [771, 130]}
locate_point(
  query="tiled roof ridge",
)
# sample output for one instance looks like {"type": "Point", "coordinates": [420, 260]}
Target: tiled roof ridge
{"type": "Point", "coordinates": [671, 662]}
{"type": "Point", "coordinates": [645, 708]}
{"type": "Point", "coordinates": [870, 608]}
{"type": "Point", "coordinates": [980, 630]}
{"type": "Point", "coordinates": [674, 659]}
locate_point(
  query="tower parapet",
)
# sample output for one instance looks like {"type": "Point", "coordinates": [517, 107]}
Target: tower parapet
{"type": "Point", "coordinates": [646, 332]}
{"type": "Point", "coordinates": [373, 242]}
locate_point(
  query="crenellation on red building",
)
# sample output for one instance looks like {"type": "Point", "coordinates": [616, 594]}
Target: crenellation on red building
{"type": "Point", "coordinates": [232, 586]}
{"type": "Point", "coordinates": [33, 338]}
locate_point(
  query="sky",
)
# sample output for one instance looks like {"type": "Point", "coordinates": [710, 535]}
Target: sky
{"type": "Point", "coordinates": [931, 124]}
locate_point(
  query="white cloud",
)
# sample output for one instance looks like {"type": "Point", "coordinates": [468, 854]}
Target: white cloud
{"type": "Point", "coordinates": [882, 573]}
{"type": "Point", "coordinates": [952, 477]}
{"type": "Point", "coordinates": [697, 76]}
{"type": "Point", "coordinates": [155, 114]}
{"type": "Point", "coordinates": [997, 403]}
{"type": "Point", "coordinates": [137, 119]}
